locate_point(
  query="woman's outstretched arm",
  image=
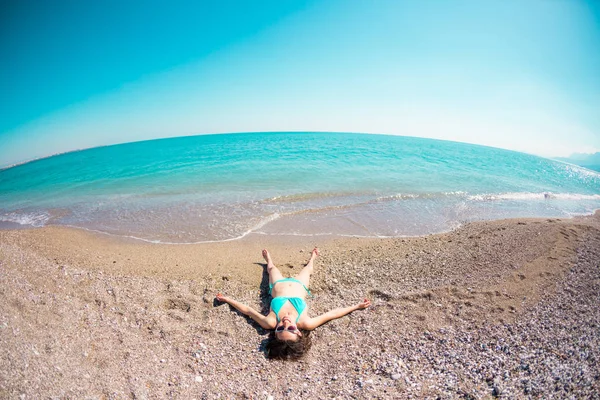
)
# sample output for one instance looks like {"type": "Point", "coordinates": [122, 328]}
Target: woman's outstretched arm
{"type": "Point", "coordinates": [262, 320]}
{"type": "Point", "coordinates": [334, 314]}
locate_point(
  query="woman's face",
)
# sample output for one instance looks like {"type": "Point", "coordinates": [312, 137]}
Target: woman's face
{"type": "Point", "coordinates": [287, 330]}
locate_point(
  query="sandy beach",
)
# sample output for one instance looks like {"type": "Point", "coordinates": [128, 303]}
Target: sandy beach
{"type": "Point", "coordinates": [506, 309]}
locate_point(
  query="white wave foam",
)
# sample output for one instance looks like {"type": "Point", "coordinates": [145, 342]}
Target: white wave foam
{"type": "Point", "coordinates": [410, 196]}
{"type": "Point", "coordinates": [27, 218]}
{"type": "Point", "coordinates": [262, 223]}
{"type": "Point", "coordinates": [533, 196]}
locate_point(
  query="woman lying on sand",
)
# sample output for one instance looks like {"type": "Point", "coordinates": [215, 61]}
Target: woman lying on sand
{"type": "Point", "coordinates": [288, 315]}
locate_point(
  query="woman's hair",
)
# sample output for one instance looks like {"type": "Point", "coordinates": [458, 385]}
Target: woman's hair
{"type": "Point", "coordinates": [288, 349]}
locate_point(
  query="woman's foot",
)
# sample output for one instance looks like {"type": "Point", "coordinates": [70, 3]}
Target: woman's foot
{"type": "Point", "coordinates": [313, 255]}
{"type": "Point", "coordinates": [315, 252]}
{"type": "Point", "coordinates": [266, 256]}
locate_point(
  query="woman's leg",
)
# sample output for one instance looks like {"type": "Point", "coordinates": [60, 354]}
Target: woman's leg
{"type": "Point", "coordinates": [272, 270]}
{"type": "Point", "coordinates": [304, 275]}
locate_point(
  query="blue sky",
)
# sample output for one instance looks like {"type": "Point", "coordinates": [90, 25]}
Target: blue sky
{"type": "Point", "coordinates": [522, 75]}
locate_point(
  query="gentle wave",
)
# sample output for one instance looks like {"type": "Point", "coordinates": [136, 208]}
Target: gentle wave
{"type": "Point", "coordinates": [42, 218]}
{"type": "Point", "coordinates": [35, 219]}
{"type": "Point", "coordinates": [357, 198]}
{"type": "Point", "coordinates": [254, 229]}
{"type": "Point", "coordinates": [300, 197]}
{"type": "Point", "coordinates": [533, 196]}
{"type": "Point", "coordinates": [412, 196]}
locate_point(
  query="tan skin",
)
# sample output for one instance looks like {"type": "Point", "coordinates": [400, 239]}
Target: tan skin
{"type": "Point", "coordinates": [288, 314]}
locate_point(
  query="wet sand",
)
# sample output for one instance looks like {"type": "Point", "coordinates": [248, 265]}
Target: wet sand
{"type": "Point", "coordinates": [502, 308]}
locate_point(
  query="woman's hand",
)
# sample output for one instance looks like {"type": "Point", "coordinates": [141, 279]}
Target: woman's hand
{"type": "Point", "coordinates": [364, 304]}
{"type": "Point", "coordinates": [221, 298]}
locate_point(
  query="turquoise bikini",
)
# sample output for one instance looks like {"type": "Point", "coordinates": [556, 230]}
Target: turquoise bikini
{"type": "Point", "coordinates": [298, 303]}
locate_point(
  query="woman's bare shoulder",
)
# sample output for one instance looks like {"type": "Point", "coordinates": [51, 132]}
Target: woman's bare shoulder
{"type": "Point", "coordinates": [271, 320]}
{"type": "Point", "coordinates": [305, 322]}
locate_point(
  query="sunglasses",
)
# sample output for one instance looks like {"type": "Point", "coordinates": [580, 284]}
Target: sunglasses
{"type": "Point", "coordinates": [291, 328]}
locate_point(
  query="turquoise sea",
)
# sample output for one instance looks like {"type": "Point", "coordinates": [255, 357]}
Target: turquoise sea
{"type": "Point", "coordinates": [223, 187]}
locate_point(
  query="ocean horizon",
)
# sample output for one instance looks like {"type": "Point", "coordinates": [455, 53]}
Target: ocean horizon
{"type": "Point", "coordinates": [222, 187]}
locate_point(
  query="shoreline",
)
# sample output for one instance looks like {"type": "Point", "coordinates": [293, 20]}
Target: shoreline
{"type": "Point", "coordinates": [459, 313]}
{"type": "Point", "coordinates": [15, 226]}
{"type": "Point", "coordinates": [71, 239]}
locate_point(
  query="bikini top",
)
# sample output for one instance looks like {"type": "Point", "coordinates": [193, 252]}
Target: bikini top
{"type": "Point", "coordinates": [278, 302]}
